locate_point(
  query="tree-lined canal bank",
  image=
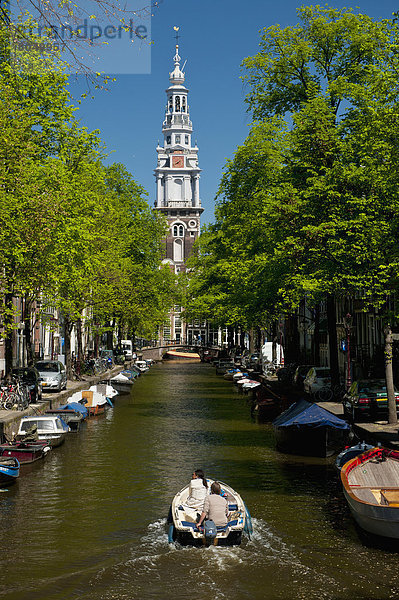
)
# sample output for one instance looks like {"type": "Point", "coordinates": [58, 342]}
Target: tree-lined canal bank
{"type": "Point", "coordinates": [90, 521]}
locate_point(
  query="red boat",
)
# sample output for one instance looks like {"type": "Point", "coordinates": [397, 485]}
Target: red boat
{"type": "Point", "coordinates": [25, 452]}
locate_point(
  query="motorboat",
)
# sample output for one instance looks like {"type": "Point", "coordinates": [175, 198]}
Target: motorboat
{"type": "Point", "coordinates": [371, 487]}
{"type": "Point", "coordinates": [94, 402]}
{"type": "Point", "coordinates": [250, 385]}
{"type": "Point", "coordinates": [182, 354]}
{"type": "Point", "coordinates": [223, 365]}
{"type": "Point", "coordinates": [25, 452]}
{"type": "Point", "coordinates": [9, 470]}
{"type": "Point", "coordinates": [132, 372]}
{"type": "Point", "coordinates": [229, 374]}
{"type": "Point", "coordinates": [142, 365]}
{"type": "Point", "coordinates": [310, 430]}
{"type": "Point", "coordinates": [50, 428]}
{"type": "Point", "coordinates": [78, 407]}
{"type": "Point", "coordinates": [183, 528]}
{"type": "Point", "coordinates": [70, 416]}
{"type": "Point", "coordinates": [105, 389]}
{"type": "Point", "coordinates": [122, 383]}
{"type": "Point", "coordinates": [350, 452]}
{"type": "Point", "coordinates": [239, 375]}
{"type": "Point", "coordinates": [266, 409]}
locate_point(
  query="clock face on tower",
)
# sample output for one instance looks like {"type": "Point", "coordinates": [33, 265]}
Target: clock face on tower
{"type": "Point", "coordinates": [177, 162]}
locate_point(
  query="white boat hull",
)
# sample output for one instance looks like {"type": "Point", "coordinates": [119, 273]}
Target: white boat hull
{"type": "Point", "coordinates": [184, 529]}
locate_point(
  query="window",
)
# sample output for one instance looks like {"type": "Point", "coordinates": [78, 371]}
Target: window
{"type": "Point", "coordinates": [186, 139]}
{"type": "Point", "coordinates": [177, 104]}
{"type": "Point", "coordinates": [168, 139]}
{"type": "Point", "coordinates": [183, 104]}
{"type": "Point", "coordinates": [170, 104]}
{"type": "Point", "coordinates": [178, 231]}
{"type": "Point", "coordinates": [178, 251]}
{"type": "Point", "coordinates": [177, 139]}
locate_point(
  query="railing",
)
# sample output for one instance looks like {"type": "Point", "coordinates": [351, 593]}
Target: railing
{"type": "Point", "coordinates": [179, 204]}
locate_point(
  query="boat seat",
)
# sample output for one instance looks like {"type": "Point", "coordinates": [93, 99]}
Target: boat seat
{"type": "Point", "coordinates": [229, 524]}
{"type": "Point", "coordinates": [365, 494]}
{"type": "Point", "coordinates": [219, 527]}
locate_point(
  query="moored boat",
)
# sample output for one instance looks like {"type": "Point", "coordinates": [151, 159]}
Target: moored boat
{"type": "Point", "coordinates": [351, 452]}
{"type": "Point", "coordinates": [70, 416]}
{"type": "Point", "coordinates": [9, 470]}
{"type": "Point", "coordinates": [266, 409]}
{"type": "Point", "coordinates": [122, 383]}
{"type": "Point", "coordinates": [371, 487]}
{"type": "Point", "coordinates": [105, 389]}
{"type": "Point", "coordinates": [186, 355]}
{"type": "Point", "coordinates": [142, 365]}
{"type": "Point", "coordinates": [183, 528]}
{"type": "Point", "coordinates": [50, 428]}
{"type": "Point", "coordinates": [229, 374]}
{"type": "Point", "coordinates": [94, 402]}
{"type": "Point", "coordinates": [25, 452]}
{"type": "Point", "coordinates": [250, 385]}
{"type": "Point", "coordinates": [310, 430]}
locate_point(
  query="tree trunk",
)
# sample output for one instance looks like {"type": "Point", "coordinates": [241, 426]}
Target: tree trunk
{"type": "Point", "coordinates": [8, 322]}
{"type": "Point", "coordinates": [133, 338]}
{"type": "Point", "coordinates": [251, 336]}
{"type": "Point", "coordinates": [28, 333]}
{"type": "Point", "coordinates": [332, 339]}
{"type": "Point", "coordinates": [79, 338]}
{"type": "Point", "coordinates": [110, 336]}
{"type": "Point", "coordinates": [67, 346]}
{"type": "Point", "coordinates": [230, 337]}
{"type": "Point", "coordinates": [316, 336]}
{"type": "Point", "coordinates": [392, 414]}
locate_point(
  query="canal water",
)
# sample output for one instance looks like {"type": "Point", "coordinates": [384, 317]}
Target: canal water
{"type": "Point", "coordinates": [89, 522]}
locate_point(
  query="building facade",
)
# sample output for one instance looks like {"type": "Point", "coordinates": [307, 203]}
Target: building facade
{"type": "Point", "coordinates": [177, 192]}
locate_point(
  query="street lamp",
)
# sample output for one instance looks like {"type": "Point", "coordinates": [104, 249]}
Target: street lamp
{"type": "Point", "coordinates": [348, 326]}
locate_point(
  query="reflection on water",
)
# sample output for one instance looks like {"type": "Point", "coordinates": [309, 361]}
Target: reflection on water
{"type": "Point", "coordinates": [90, 521]}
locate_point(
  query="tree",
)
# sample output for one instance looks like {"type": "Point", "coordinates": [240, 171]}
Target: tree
{"type": "Point", "coordinates": [323, 222]}
{"type": "Point", "coordinates": [71, 30]}
{"type": "Point", "coordinates": [336, 73]}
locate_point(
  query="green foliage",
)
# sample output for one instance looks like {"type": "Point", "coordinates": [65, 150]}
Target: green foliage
{"type": "Point", "coordinates": [309, 204]}
{"type": "Point", "coordinates": [76, 234]}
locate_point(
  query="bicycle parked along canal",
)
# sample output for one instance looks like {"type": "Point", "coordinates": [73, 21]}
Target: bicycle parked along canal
{"type": "Point", "coordinates": [14, 395]}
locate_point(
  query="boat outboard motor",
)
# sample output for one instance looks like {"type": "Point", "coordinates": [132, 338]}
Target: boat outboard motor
{"type": "Point", "coordinates": [210, 531]}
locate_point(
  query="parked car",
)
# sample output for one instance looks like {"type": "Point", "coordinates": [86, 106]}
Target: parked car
{"type": "Point", "coordinates": [316, 379]}
{"type": "Point", "coordinates": [53, 374]}
{"type": "Point", "coordinates": [300, 373]}
{"type": "Point", "coordinates": [31, 377]}
{"type": "Point", "coordinates": [367, 398]}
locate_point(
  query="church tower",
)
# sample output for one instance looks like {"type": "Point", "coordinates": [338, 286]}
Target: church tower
{"type": "Point", "coordinates": [177, 173]}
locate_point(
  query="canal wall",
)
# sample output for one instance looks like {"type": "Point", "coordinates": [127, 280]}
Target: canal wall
{"type": "Point", "coordinates": [152, 353]}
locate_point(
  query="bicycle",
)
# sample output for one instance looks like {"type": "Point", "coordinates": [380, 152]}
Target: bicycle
{"type": "Point", "coordinates": [7, 397]}
{"type": "Point", "coordinates": [23, 395]}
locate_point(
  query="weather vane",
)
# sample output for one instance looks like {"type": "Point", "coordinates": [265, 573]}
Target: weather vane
{"type": "Point", "coordinates": [177, 36]}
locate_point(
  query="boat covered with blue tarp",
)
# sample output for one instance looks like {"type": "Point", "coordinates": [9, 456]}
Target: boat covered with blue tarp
{"type": "Point", "coordinates": [76, 406]}
{"type": "Point", "coordinates": [306, 428]}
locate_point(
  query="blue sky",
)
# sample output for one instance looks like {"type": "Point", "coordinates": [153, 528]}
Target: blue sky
{"type": "Point", "coordinates": [216, 36]}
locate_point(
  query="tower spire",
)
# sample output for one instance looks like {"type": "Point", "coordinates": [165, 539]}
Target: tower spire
{"type": "Point", "coordinates": [177, 75]}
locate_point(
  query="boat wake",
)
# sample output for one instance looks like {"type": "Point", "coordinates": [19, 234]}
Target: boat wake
{"type": "Point", "coordinates": [141, 570]}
